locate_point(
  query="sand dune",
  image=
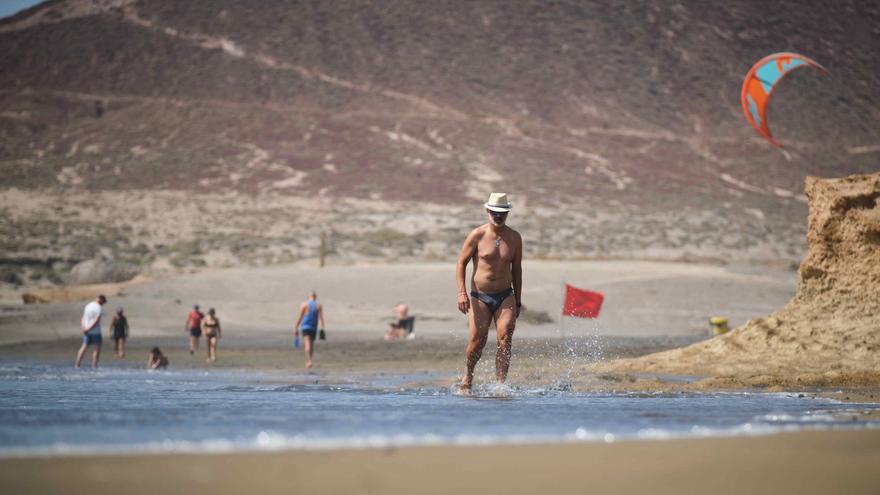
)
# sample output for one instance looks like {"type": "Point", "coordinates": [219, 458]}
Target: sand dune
{"type": "Point", "coordinates": [827, 334]}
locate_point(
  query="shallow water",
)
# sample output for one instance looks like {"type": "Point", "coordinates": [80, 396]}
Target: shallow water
{"type": "Point", "coordinates": [48, 409]}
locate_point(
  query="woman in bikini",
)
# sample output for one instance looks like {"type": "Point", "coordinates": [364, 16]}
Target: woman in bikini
{"type": "Point", "coordinates": [211, 329]}
{"type": "Point", "coordinates": [120, 332]}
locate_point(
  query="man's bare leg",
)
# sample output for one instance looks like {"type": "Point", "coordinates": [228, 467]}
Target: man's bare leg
{"type": "Point", "coordinates": [193, 345]}
{"type": "Point", "coordinates": [96, 354]}
{"type": "Point", "coordinates": [505, 323]}
{"type": "Point", "coordinates": [79, 355]}
{"type": "Point", "coordinates": [479, 319]}
{"type": "Point", "coordinates": [308, 343]}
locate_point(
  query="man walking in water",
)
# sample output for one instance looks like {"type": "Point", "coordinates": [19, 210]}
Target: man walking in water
{"type": "Point", "coordinates": [496, 286]}
{"type": "Point", "coordinates": [91, 330]}
{"type": "Point", "coordinates": [311, 314]}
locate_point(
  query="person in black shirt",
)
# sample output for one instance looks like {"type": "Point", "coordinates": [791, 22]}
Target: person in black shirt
{"type": "Point", "coordinates": [120, 332]}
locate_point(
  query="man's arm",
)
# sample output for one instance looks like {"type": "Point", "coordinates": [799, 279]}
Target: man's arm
{"type": "Point", "coordinates": [321, 316]}
{"type": "Point", "coordinates": [467, 252]}
{"type": "Point", "coordinates": [516, 271]}
{"type": "Point", "coordinates": [299, 319]}
{"type": "Point", "coordinates": [93, 325]}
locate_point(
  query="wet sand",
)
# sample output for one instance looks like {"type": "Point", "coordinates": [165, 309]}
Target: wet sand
{"type": "Point", "coordinates": [347, 355]}
{"type": "Point", "coordinates": [436, 361]}
{"type": "Point", "coordinates": [808, 462]}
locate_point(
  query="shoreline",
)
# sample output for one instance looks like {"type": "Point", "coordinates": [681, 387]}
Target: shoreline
{"type": "Point", "coordinates": [438, 361]}
{"type": "Point", "coordinates": [812, 461]}
{"type": "Point", "coordinates": [375, 444]}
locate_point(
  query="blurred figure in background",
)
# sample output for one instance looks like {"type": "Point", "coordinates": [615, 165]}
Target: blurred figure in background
{"type": "Point", "coordinates": [91, 330]}
{"type": "Point", "coordinates": [157, 360]}
{"type": "Point", "coordinates": [194, 327]}
{"type": "Point", "coordinates": [397, 329]}
{"type": "Point", "coordinates": [211, 327]}
{"type": "Point", "coordinates": [120, 332]}
{"type": "Point", "coordinates": [311, 314]}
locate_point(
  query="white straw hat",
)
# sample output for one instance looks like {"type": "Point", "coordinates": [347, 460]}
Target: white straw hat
{"type": "Point", "coordinates": [498, 202]}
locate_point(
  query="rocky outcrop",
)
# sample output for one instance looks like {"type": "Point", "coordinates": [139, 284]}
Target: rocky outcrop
{"type": "Point", "coordinates": [98, 271]}
{"type": "Point", "coordinates": [841, 272]}
{"type": "Point", "coordinates": [831, 328]}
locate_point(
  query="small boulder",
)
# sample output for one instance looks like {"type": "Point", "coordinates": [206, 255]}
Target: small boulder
{"type": "Point", "coordinates": [99, 271]}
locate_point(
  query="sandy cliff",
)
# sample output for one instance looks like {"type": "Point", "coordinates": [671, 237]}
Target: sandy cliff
{"type": "Point", "coordinates": [830, 331]}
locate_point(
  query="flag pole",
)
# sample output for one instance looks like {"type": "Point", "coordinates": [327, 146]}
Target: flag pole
{"type": "Point", "coordinates": [562, 312]}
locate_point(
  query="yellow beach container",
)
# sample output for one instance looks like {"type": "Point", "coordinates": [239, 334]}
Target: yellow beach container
{"type": "Point", "coordinates": [718, 325]}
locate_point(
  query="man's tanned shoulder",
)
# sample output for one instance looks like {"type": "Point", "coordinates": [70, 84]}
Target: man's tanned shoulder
{"type": "Point", "coordinates": [516, 236]}
{"type": "Point", "coordinates": [479, 231]}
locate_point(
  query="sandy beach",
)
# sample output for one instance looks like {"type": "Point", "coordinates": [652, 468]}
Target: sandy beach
{"type": "Point", "coordinates": [643, 298]}
{"type": "Point", "coordinates": [258, 339]}
{"type": "Point", "coordinates": [808, 462]}
{"type": "Point", "coordinates": [650, 306]}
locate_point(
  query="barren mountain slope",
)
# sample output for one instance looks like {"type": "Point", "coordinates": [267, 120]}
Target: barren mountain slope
{"type": "Point", "coordinates": [617, 123]}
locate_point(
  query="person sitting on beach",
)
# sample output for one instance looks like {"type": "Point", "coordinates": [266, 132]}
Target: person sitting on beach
{"type": "Point", "coordinates": [120, 332]}
{"type": "Point", "coordinates": [311, 314]}
{"type": "Point", "coordinates": [211, 327]}
{"type": "Point", "coordinates": [398, 328]}
{"type": "Point", "coordinates": [157, 360]}
{"type": "Point", "coordinates": [194, 327]}
{"type": "Point", "coordinates": [91, 331]}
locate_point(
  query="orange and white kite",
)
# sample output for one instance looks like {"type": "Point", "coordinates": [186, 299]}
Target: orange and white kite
{"type": "Point", "coordinates": [759, 84]}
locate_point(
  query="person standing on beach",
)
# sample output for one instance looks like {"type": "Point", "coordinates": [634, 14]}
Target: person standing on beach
{"type": "Point", "coordinates": [91, 331]}
{"type": "Point", "coordinates": [496, 287]}
{"type": "Point", "coordinates": [211, 327]}
{"type": "Point", "coordinates": [194, 327]}
{"type": "Point", "coordinates": [311, 315]}
{"type": "Point", "coordinates": [120, 332]}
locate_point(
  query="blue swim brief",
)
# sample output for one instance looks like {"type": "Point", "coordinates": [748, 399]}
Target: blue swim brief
{"type": "Point", "coordinates": [494, 300]}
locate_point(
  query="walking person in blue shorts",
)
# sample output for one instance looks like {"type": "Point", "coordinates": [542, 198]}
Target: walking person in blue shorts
{"type": "Point", "coordinates": [310, 319]}
{"type": "Point", "coordinates": [91, 330]}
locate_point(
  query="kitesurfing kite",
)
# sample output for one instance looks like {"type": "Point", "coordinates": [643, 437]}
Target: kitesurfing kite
{"type": "Point", "coordinates": [760, 82]}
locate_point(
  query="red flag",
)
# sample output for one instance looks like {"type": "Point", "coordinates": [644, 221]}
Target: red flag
{"type": "Point", "coordinates": [582, 303]}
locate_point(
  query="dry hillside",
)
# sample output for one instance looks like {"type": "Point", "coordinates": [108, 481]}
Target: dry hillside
{"type": "Point", "coordinates": [223, 132]}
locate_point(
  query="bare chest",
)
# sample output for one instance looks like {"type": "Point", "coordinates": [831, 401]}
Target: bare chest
{"type": "Point", "coordinates": [493, 249]}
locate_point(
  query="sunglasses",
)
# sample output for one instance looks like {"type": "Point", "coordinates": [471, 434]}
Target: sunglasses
{"type": "Point", "coordinates": [498, 213]}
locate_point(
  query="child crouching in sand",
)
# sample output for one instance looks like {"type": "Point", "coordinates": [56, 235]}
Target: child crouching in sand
{"type": "Point", "coordinates": [157, 360]}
